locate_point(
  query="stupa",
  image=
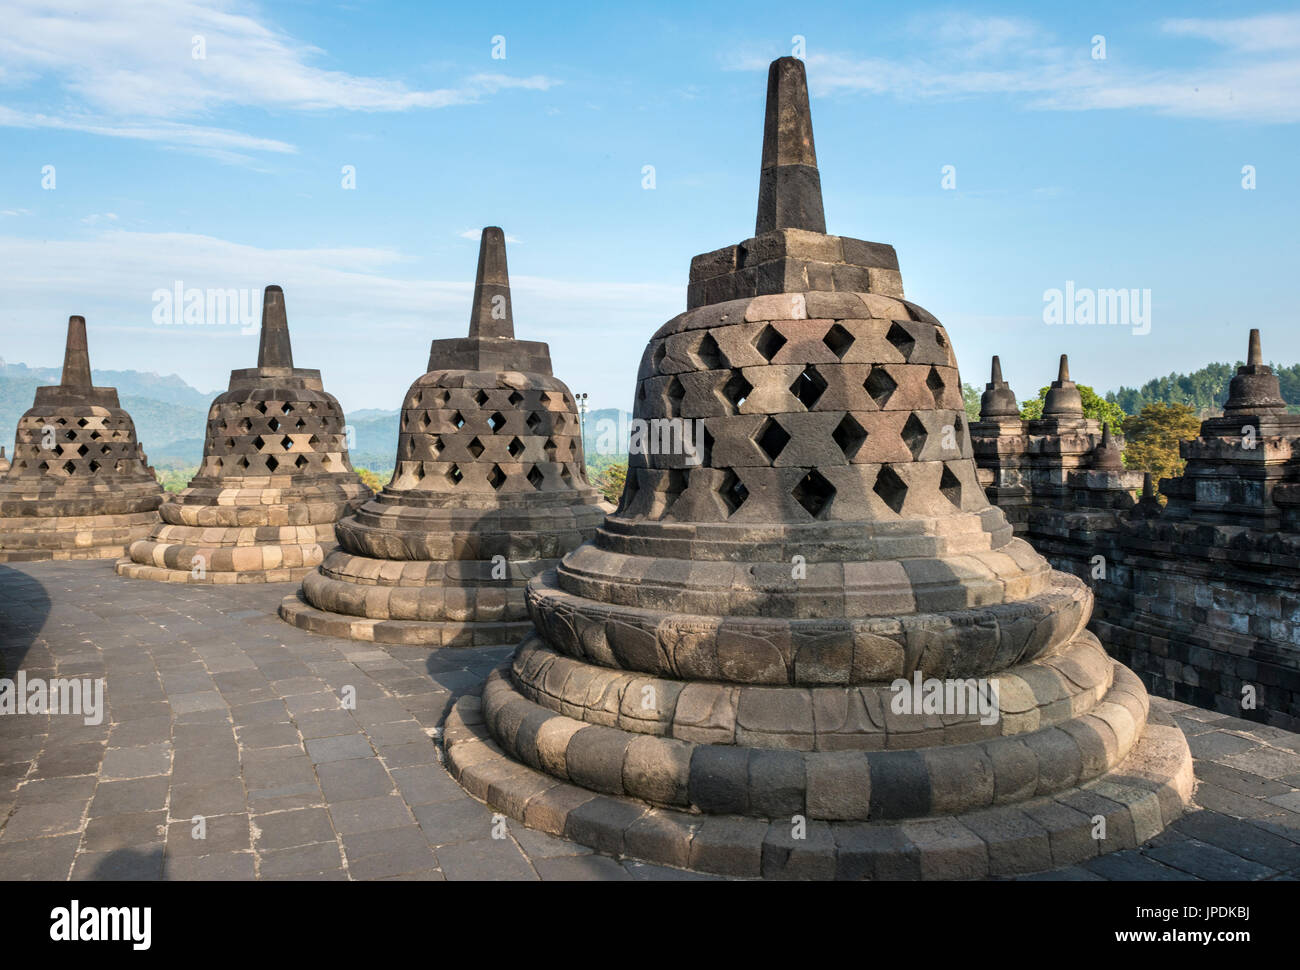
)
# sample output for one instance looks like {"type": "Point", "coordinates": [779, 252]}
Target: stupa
{"type": "Point", "coordinates": [79, 485]}
{"type": "Point", "coordinates": [275, 477]}
{"type": "Point", "coordinates": [490, 488]}
{"type": "Point", "coordinates": [727, 677]}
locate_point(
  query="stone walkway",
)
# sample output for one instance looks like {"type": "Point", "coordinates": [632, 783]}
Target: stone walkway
{"type": "Point", "coordinates": [220, 715]}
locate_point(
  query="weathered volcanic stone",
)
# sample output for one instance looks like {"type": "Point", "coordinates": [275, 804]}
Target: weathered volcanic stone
{"type": "Point", "coordinates": [275, 478]}
{"type": "Point", "coordinates": [79, 485]}
{"type": "Point", "coordinates": [490, 489]}
{"type": "Point", "coordinates": [767, 607]}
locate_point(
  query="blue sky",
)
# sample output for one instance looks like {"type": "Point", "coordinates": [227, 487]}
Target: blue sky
{"type": "Point", "coordinates": [225, 172]}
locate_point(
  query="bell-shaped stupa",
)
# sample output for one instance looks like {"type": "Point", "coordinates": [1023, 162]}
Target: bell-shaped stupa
{"type": "Point", "coordinates": [819, 651]}
{"type": "Point", "coordinates": [490, 489]}
{"type": "Point", "coordinates": [78, 486]}
{"type": "Point", "coordinates": [275, 477]}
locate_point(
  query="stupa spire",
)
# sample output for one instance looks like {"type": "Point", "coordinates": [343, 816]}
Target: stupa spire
{"type": "Point", "coordinates": [76, 355]}
{"type": "Point", "coordinates": [789, 186]}
{"type": "Point", "coordinates": [491, 315]}
{"type": "Point", "coordinates": [274, 349]}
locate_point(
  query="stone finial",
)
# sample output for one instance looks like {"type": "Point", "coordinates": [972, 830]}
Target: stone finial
{"type": "Point", "coordinates": [491, 315]}
{"type": "Point", "coordinates": [1255, 389]}
{"type": "Point", "coordinates": [274, 349]}
{"type": "Point", "coordinates": [76, 355]}
{"type": "Point", "coordinates": [1107, 456]}
{"type": "Point", "coordinates": [789, 186]}
{"type": "Point", "coordinates": [998, 401]}
{"type": "Point", "coordinates": [1063, 398]}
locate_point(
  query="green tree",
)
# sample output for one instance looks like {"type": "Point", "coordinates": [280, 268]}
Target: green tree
{"type": "Point", "coordinates": [1151, 438]}
{"type": "Point", "coordinates": [610, 479]}
{"type": "Point", "coordinates": [372, 481]}
{"type": "Point", "coordinates": [970, 396]}
{"type": "Point", "coordinates": [1094, 406]}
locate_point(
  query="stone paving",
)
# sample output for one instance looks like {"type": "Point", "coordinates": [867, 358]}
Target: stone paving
{"type": "Point", "coordinates": [218, 709]}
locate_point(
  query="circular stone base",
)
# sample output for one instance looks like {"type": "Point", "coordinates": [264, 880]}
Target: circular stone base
{"type": "Point", "coordinates": [298, 612]}
{"type": "Point", "coordinates": [41, 555]}
{"type": "Point", "coordinates": [36, 538]}
{"type": "Point", "coordinates": [1143, 794]}
{"type": "Point", "coordinates": [135, 570]}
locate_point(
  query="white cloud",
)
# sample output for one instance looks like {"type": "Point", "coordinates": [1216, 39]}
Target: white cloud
{"type": "Point", "coordinates": [1253, 73]}
{"type": "Point", "coordinates": [123, 80]}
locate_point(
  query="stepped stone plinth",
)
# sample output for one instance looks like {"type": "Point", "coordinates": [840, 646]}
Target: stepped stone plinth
{"type": "Point", "coordinates": [715, 681]}
{"type": "Point", "coordinates": [274, 480]}
{"type": "Point", "coordinates": [490, 489]}
{"type": "Point", "coordinates": [79, 485]}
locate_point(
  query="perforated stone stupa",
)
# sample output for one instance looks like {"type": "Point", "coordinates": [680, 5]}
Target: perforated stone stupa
{"type": "Point", "coordinates": [490, 488]}
{"type": "Point", "coordinates": [716, 680]}
{"type": "Point", "coordinates": [275, 477]}
{"type": "Point", "coordinates": [78, 486]}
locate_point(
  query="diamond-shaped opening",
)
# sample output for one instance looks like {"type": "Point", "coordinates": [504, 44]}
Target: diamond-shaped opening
{"type": "Point", "coordinates": [271, 463]}
{"type": "Point", "coordinates": [230, 444]}
{"type": "Point", "coordinates": [732, 491]}
{"type": "Point", "coordinates": [258, 442]}
{"type": "Point", "coordinates": [808, 387]}
{"type": "Point", "coordinates": [286, 442]}
{"type": "Point", "coordinates": [300, 462]}
{"type": "Point", "coordinates": [849, 435]}
{"type": "Point", "coordinates": [551, 449]}
{"type": "Point", "coordinates": [243, 461]}
{"type": "Point", "coordinates": [709, 353]}
{"type": "Point", "coordinates": [535, 477]}
{"type": "Point", "coordinates": [69, 435]}
{"type": "Point", "coordinates": [891, 489]}
{"type": "Point", "coordinates": [82, 422]}
{"type": "Point", "coordinates": [287, 408]}
{"type": "Point", "coordinates": [44, 466]}
{"type": "Point", "coordinates": [458, 420]}
{"type": "Point", "coordinates": [246, 426]}
{"type": "Point", "coordinates": [838, 340]}
{"type": "Point", "coordinates": [772, 439]}
{"type": "Point", "coordinates": [939, 338]}
{"type": "Point", "coordinates": [880, 386]}
{"type": "Point", "coordinates": [534, 419]}
{"type": "Point", "coordinates": [769, 342]}
{"type": "Point", "coordinates": [814, 493]}
{"type": "Point", "coordinates": [475, 447]}
{"type": "Point", "coordinates": [497, 421]}
{"type": "Point", "coordinates": [496, 478]}
{"type": "Point", "coordinates": [313, 442]}
{"type": "Point", "coordinates": [94, 466]}
{"type": "Point", "coordinates": [640, 391]}
{"type": "Point", "coordinates": [516, 448]}
{"type": "Point", "coordinates": [409, 445]}
{"type": "Point", "coordinates": [515, 398]}
{"type": "Point", "coordinates": [566, 476]}
{"type": "Point", "coordinates": [481, 397]}
{"type": "Point", "coordinates": [950, 486]}
{"type": "Point", "coordinates": [94, 436]}
{"type": "Point", "coordinates": [737, 389]}
{"type": "Point", "coordinates": [436, 447]}
{"type": "Point", "coordinates": [914, 435]}
{"type": "Point", "coordinates": [545, 398]}
{"type": "Point", "coordinates": [660, 353]}
{"type": "Point", "coordinates": [454, 475]}
{"type": "Point", "coordinates": [935, 383]}
{"type": "Point", "coordinates": [69, 467]}
{"type": "Point", "coordinates": [261, 406]}
{"type": "Point", "coordinates": [423, 421]}
{"type": "Point", "coordinates": [300, 424]}
{"type": "Point", "coordinates": [273, 424]}
{"type": "Point", "coordinates": [311, 408]}
{"type": "Point", "coordinates": [902, 340]}
{"type": "Point", "coordinates": [82, 450]}
{"type": "Point", "coordinates": [675, 390]}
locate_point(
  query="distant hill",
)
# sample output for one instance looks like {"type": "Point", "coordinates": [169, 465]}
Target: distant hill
{"type": "Point", "coordinates": [1206, 389]}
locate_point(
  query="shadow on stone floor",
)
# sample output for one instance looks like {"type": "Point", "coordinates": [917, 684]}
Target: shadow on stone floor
{"type": "Point", "coordinates": [26, 605]}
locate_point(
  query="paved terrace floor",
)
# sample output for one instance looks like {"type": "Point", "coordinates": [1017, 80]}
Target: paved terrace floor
{"type": "Point", "coordinates": [218, 709]}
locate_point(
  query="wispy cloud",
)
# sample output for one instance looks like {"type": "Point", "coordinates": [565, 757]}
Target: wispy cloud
{"type": "Point", "coordinates": [1250, 72]}
{"type": "Point", "coordinates": [196, 57]}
